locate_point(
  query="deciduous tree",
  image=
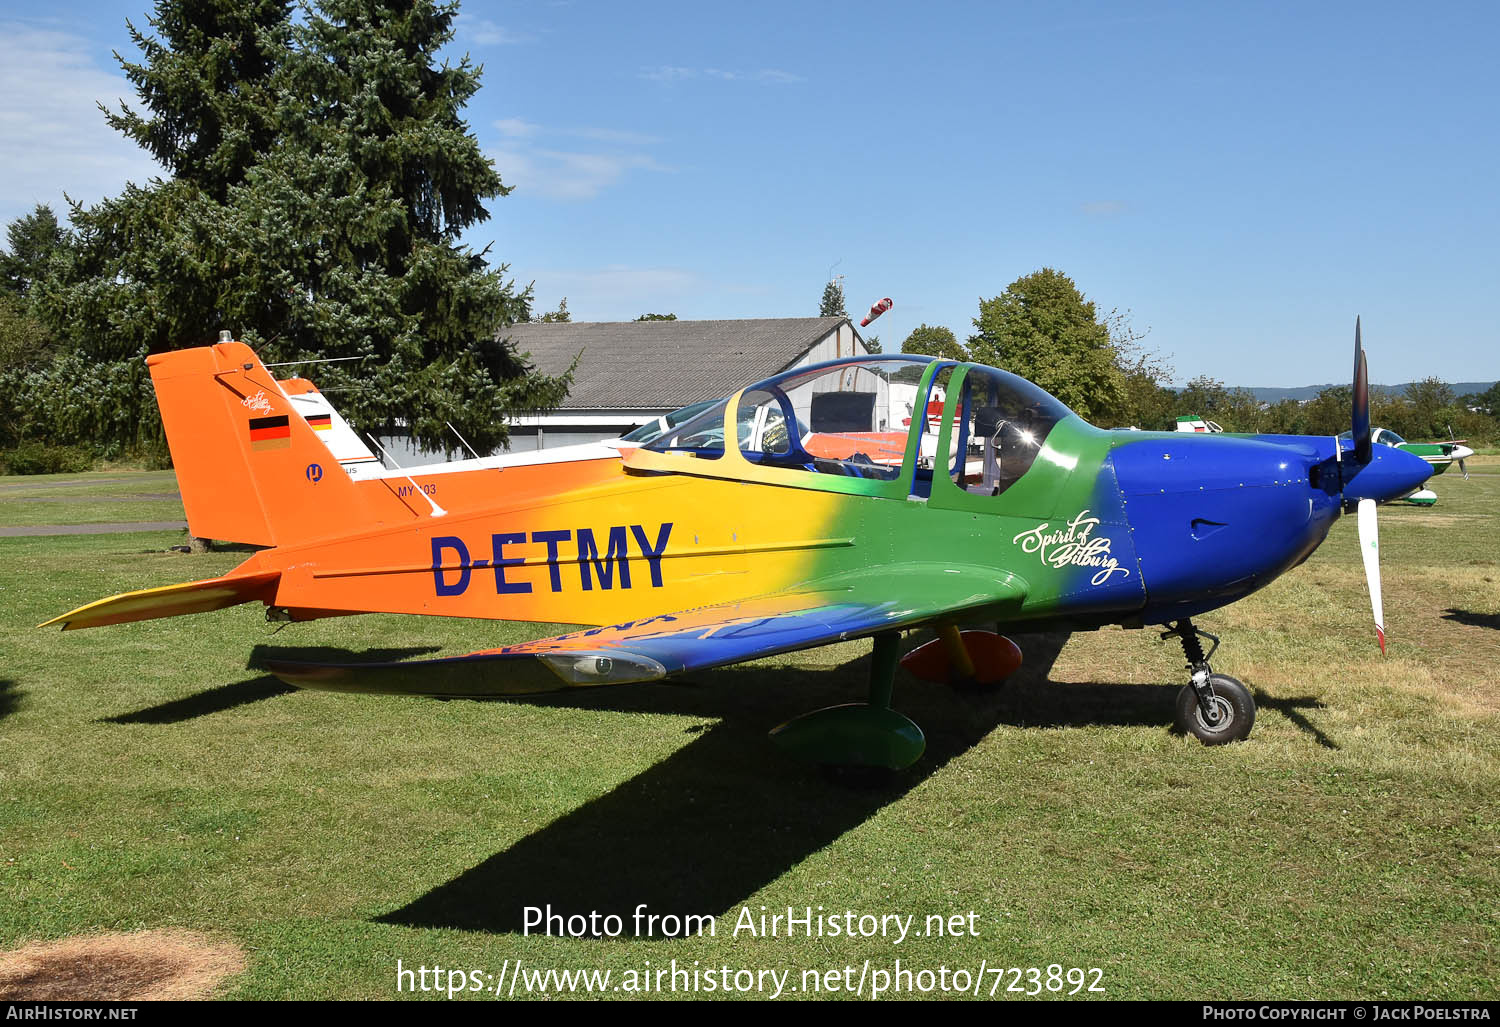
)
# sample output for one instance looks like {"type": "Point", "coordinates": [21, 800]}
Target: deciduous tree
{"type": "Point", "coordinates": [1043, 329]}
{"type": "Point", "coordinates": [934, 341]}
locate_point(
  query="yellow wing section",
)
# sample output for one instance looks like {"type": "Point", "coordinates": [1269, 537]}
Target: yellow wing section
{"type": "Point", "coordinates": [171, 600]}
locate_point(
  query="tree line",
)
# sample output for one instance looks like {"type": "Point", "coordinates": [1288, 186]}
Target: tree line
{"type": "Point", "coordinates": [1042, 328]}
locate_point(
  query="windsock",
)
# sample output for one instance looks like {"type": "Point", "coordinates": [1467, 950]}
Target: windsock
{"type": "Point", "coordinates": [876, 311]}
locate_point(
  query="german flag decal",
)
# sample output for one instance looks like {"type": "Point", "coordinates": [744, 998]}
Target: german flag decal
{"type": "Point", "coordinates": [270, 433]}
{"type": "Point", "coordinates": [320, 422]}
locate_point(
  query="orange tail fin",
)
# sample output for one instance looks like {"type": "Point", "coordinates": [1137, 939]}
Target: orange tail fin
{"type": "Point", "coordinates": [249, 466]}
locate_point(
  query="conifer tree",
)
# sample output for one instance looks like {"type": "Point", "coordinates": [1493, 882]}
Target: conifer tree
{"type": "Point", "coordinates": [558, 316]}
{"type": "Point", "coordinates": [34, 241]}
{"type": "Point", "coordinates": [206, 87]}
{"type": "Point", "coordinates": [322, 175]}
{"type": "Point", "coordinates": [833, 300]}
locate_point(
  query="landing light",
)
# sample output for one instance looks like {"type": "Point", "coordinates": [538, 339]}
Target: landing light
{"type": "Point", "coordinates": [600, 669]}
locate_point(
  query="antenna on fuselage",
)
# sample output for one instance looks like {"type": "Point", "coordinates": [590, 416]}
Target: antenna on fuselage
{"type": "Point", "coordinates": [463, 440]}
{"type": "Point", "coordinates": [324, 360]}
{"type": "Point", "coordinates": [437, 511]}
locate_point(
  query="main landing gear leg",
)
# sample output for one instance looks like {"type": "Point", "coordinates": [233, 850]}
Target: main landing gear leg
{"type": "Point", "coordinates": [859, 734]}
{"type": "Point", "coordinates": [1214, 708]}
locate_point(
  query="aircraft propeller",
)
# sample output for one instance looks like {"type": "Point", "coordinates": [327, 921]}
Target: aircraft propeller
{"type": "Point", "coordinates": [1369, 551]}
{"type": "Point", "coordinates": [1461, 466]}
{"type": "Point", "coordinates": [1361, 424]}
{"type": "Point", "coordinates": [1369, 535]}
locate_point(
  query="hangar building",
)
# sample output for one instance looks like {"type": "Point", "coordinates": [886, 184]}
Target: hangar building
{"type": "Point", "coordinates": [630, 372]}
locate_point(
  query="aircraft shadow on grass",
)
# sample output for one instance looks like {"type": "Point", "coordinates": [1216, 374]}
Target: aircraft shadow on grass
{"type": "Point", "coordinates": [726, 815]}
{"type": "Point", "coordinates": [1291, 709]}
{"type": "Point", "coordinates": [251, 690]}
{"type": "Point", "coordinates": [201, 704]}
{"type": "Point", "coordinates": [1473, 619]}
{"type": "Point", "coordinates": [10, 697]}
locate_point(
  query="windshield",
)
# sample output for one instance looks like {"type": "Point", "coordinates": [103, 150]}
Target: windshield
{"type": "Point", "coordinates": [653, 429]}
{"type": "Point", "coordinates": [850, 419]}
{"type": "Point", "coordinates": [1000, 422]}
{"type": "Point", "coordinates": [701, 436]}
{"type": "Point", "coordinates": [1383, 436]}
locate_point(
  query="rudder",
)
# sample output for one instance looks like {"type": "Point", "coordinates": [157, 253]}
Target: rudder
{"type": "Point", "coordinates": [249, 467]}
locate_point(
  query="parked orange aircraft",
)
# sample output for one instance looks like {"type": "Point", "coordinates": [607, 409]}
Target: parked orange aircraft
{"type": "Point", "coordinates": [810, 508]}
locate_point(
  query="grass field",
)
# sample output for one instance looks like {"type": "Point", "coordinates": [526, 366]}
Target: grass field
{"type": "Point", "coordinates": [151, 778]}
{"type": "Point", "coordinates": [107, 497]}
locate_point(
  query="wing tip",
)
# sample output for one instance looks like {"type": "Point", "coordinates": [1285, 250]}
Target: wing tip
{"type": "Point", "coordinates": [170, 600]}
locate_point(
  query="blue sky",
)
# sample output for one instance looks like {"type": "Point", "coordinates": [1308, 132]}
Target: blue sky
{"type": "Point", "coordinates": [1243, 178]}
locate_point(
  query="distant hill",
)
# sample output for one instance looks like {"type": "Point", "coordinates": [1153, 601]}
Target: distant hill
{"type": "Point", "coordinates": [1273, 395]}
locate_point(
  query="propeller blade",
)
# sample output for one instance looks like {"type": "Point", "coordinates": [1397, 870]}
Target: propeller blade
{"type": "Point", "coordinates": [1361, 426]}
{"type": "Point", "coordinates": [1462, 468]}
{"type": "Point", "coordinates": [1369, 551]}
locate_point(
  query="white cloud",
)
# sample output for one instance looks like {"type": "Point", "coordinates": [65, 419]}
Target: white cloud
{"type": "Point", "coordinates": [564, 175]}
{"type": "Point", "coordinates": [483, 32]}
{"type": "Point", "coordinates": [568, 173]}
{"type": "Point", "coordinates": [673, 73]}
{"type": "Point", "coordinates": [53, 139]}
{"type": "Point", "coordinates": [777, 75]}
{"type": "Point", "coordinates": [518, 128]}
{"type": "Point", "coordinates": [515, 128]}
{"type": "Point", "coordinates": [668, 74]}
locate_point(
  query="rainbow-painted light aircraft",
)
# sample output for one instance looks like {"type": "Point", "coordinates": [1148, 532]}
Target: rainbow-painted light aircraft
{"type": "Point", "coordinates": [806, 509]}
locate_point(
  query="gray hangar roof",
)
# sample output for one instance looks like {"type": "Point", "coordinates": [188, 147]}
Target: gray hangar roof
{"type": "Point", "coordinates": [662, 365]}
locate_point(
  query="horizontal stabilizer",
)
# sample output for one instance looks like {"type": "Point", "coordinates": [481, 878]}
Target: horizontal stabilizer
{"type": "Point", "coordinates": [171, 600]}
{"type": "Point", "coordinates": [656, 647]}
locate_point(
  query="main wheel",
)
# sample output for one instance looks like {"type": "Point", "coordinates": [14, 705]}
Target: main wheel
{"type": "Point", "coordinates": [1235, 706]}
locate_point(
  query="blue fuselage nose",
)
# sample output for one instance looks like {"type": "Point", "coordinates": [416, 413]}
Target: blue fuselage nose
{"type": "Point", "coordinates": [1390, 474]}
{"type": "Point", "coordinates": [1215, 517]}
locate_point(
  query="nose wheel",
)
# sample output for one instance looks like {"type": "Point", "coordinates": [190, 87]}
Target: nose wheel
{"type": "Point", "coordinates": [1213, 708]}
{"type": "Point", "coordinates": [1229, 712]}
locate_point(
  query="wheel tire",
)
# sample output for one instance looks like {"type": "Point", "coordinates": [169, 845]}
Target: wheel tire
{"type": "Point", "coordinates": [1236, 707]}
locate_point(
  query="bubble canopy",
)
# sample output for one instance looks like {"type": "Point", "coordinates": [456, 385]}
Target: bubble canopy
{"type": "Point", "coordinates": [874, 419]}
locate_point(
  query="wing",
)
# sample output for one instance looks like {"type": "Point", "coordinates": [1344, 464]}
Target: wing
{"type": "Point", "coordinates": [712, 636]}
{"type": "Point", "coordinates": [172, 600]}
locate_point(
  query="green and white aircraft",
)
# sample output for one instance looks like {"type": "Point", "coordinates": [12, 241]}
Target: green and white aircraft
{"type": "Point", "coordinates": [1440, 455]}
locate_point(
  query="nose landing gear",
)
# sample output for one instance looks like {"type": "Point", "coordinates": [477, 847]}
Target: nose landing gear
{"type": "Point", "coordinates": [1213, 708]}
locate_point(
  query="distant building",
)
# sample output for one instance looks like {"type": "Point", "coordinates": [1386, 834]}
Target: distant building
{"type": "Point", "coordinates": [630, 372]}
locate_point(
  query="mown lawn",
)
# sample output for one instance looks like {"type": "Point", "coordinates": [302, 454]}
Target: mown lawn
{"type": "Point", "coordinates": [150, 777]}
{"type": "Point", "coordinates": [109, 497]}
